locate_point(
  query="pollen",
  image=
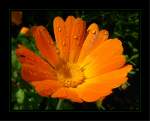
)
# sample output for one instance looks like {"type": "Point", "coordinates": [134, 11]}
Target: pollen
{"type": "Point", "coordinates": [70, 75]}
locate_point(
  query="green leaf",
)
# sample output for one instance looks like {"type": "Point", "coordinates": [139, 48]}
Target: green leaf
{"type": "Point", "coordinates": [135, 50]}
{"type": "Point", "coordinates": [133, 57]}
{"type": "Point", "coordinates": [20, 95]}
{"type": "Point", "coordinates": [125, 85]}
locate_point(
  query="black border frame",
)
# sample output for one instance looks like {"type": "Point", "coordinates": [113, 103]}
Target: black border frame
{"type": "Point", "coordinates": [144, 5]}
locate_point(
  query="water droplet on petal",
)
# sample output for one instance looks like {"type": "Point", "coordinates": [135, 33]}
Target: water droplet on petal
{"type": "Point", "coordinates": [75, 37]}
{"type": "Point", "coordinates": [32, 73]}
{"type": "Point", "coordinates": [57, 51]}
{"type": "Point", "coordinates": [50, 42]}
{"type": "Point", "coordinates": [59, 29]}
{"type": "Point", "coordinates": [93, 32]}
{"type": "Point", "coordinates": [106, 33]}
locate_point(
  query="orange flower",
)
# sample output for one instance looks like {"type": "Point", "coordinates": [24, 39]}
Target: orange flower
{"type": "Point", "coordinates": [82, 66]}
{"type": "Point", "coordinates": [25, 31]}
{"type": "Point", "coordinates": [16, 17]}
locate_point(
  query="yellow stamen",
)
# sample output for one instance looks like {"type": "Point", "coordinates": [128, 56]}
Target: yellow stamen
{"type": "Point", "coordinates": [70, 75]}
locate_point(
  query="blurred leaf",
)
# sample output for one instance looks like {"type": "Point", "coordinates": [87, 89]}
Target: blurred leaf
{"type": "Point", "coordinates": [20, 96]}
{"type": "Point", "coordinates": [133, 57]}
{"type": "Point", "coordinates": [135, 50]}
{"type": "Point", "coordinates": [125, 85]}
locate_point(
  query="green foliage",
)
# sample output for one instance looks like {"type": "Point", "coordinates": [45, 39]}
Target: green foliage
{"type": "Point", "coordinates": [125, 85]}
{"type": "Point", "coordinates": [124, 25]}
{"type": "Point", "coordinates": [20, 96]}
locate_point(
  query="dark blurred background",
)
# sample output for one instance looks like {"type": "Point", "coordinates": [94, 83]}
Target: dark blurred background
{"type": "Point", "coordinates": [123, 24]}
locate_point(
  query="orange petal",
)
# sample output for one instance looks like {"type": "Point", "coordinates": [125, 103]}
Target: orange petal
{"type": "Point", "coordinates": [77, 39]}
{"type": "Point", "coordinates": [92, 92]}
{"type": "Point", "coordinates": [92, 41]}
{"type": "Point", "coordinates": [46, 87]}
{"type": "Point", "coordinates": [45, 44]}
{"type": "Point", "coordinates": [106, 50]}
{"type": "Point", "coordinates": [100, 66]}
{"type": "Point", "coordinates": [26, 56]}
{"type": "Point", "coordinates": [68, 26]}
{"type": "Point", "coordinates": [101, 86]}
{"type": "Point", "coordinates": [114, 76]}
{"type": "Point", "coordinates": [101, 37]}
{"type": "Point", "coordinates": [31, 71]}
{"type": "Point", "coordinates": [113, 79]}
{"type": "Point", "coordinates": [67, 93]}
{"type": "Point", "coordinates": [36, 73]}
{"type": "Point", "coordinates": [60, 36]}
{"type": "Point", "coordinates": [93, 31]}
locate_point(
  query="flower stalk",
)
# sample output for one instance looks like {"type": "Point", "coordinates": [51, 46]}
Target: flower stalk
{"type": "Point", "coordinates": [99, 105]}
{"type": "Point", "coordinates": [59, 104]}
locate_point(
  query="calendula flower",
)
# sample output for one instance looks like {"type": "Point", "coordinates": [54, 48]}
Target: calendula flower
{"type": "Point", "coordinates": [83, 65]}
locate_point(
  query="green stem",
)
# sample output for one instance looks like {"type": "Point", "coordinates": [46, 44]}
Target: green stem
{"type": "Point", "coordinates": [100, 106]}
{"type": "Point", "coordinates": [58, 107]}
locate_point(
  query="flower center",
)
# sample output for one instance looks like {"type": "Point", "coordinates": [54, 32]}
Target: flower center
{"type": "Point", "coordinates": [70, 75]}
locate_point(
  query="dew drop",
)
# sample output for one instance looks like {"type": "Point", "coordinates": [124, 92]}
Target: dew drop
{"type": "Point", "coordinates": [41, 30]}
{"type": "Point", "coordinates": [30, 72]}
{"type": "Point", "coordinates": [59, 29]}
{"type": "Point", "coordinates": [106, 33]}
{"type": "Point", "coordinates": [75, 37]}
{"type": "Point", "coordinates": [50, 43]}
{"type": "Point", "coordinates": [93, 32]}
{"type": "Point", "coordinates": [57, 51]}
